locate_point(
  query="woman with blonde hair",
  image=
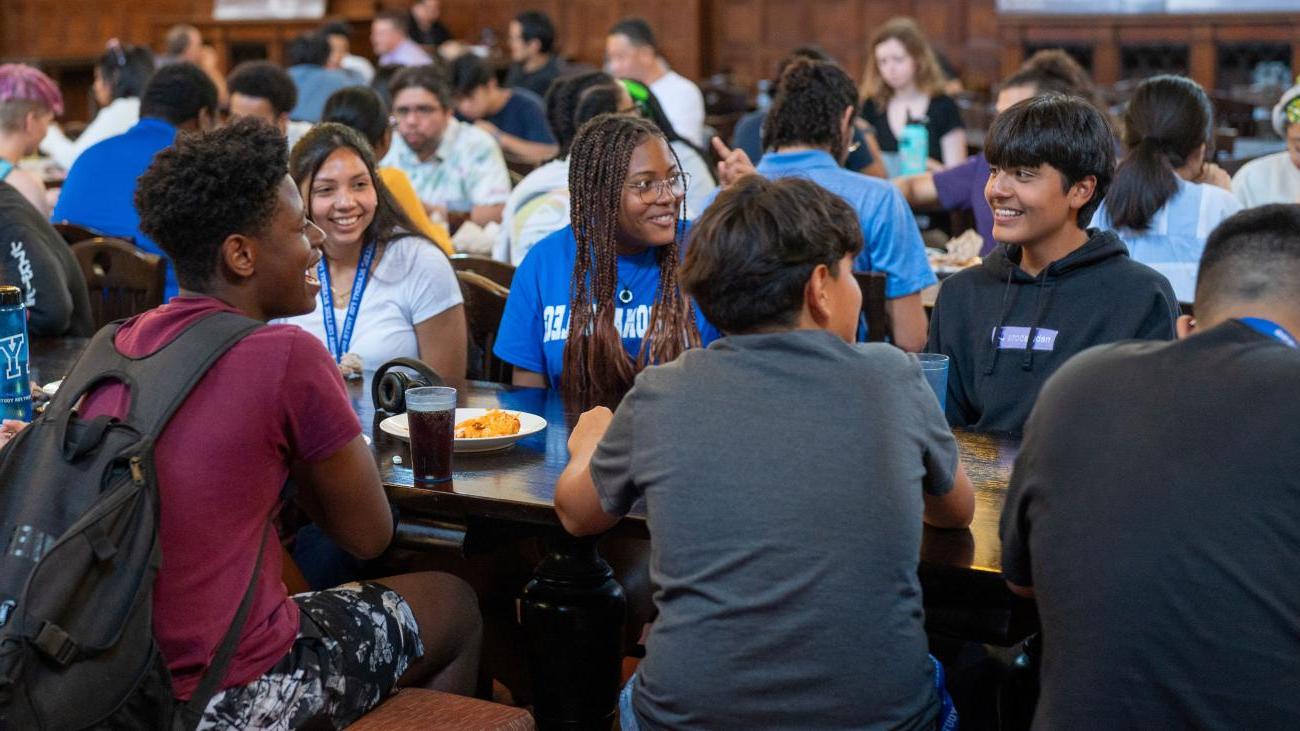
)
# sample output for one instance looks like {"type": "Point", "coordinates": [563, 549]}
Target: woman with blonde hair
{"type": "Point", "coordinates": [902, 82]}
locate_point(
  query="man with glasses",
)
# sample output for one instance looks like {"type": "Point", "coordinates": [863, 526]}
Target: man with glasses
{"type": "Point", "coordinates": [456, 168]}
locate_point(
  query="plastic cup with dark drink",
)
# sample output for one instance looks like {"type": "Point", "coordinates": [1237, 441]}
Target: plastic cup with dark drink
{"type": "Point", "coordinates": [431, 418]}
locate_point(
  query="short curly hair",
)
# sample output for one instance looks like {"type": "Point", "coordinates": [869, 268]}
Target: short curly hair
{"type": "Point", "coordinates": [208, 186]}
{"type": "Point", "coordinates": [811, 97]}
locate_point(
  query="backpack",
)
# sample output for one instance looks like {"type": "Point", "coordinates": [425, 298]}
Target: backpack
{"type": "Point", "coordinates": [79, 513]}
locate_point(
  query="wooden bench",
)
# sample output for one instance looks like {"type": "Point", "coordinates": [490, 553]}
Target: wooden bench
{"type": "Point", "coordinates": [430, 710]}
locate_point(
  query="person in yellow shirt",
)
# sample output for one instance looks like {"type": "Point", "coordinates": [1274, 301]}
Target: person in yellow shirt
{"type": "Point", "coordinates": [360, 108]}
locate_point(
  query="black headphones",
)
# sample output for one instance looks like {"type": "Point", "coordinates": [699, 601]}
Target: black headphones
{"type": "Point", "coordinates": [388, 387]}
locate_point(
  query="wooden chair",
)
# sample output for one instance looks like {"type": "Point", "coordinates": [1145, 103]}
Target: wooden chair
{"type": "Point", "coordinates": [122, 280]}
{"type": "Point", "coordinates": [72, 232]}
{"type": "Point", "coordinates": [485, 301]}
{"type": "Point", "coordinates": [498, 271]}
{"type": "Point", "coordinates": [417, 709]}
{"type": "Point", "coordinates": [873, 306]}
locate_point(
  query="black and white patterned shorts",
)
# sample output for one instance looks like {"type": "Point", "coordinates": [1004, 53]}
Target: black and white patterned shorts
{"type": "Point", "coordinates": [354, 642]}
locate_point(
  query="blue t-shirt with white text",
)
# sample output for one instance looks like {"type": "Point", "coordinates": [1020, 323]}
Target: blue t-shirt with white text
{"type": "Point", "coordinates": [535, 324]}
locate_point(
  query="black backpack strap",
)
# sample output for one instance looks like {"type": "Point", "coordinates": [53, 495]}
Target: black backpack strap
{"type": "Point", "coordinates": [169, 374]}
{"type": "Point", "coordinates": [99, 357]}
{"type": "Point", "coordinates": [188, 716]}
{"type": "Point", "coordinates": [172, 371]}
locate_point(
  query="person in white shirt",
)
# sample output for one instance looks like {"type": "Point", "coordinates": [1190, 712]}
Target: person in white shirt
{"type": "Point", "coordinates": [1275, 178]}
{"type": "Point", "coordinates": [386, 292]}
{"type": "Point", "coordinates": [632, 53]}
{"type": "Point", "coordinates": [457, 169]}
{"type": "Point", "coordinates": [263, 90]}
{"type": "Point", "coordinates": [120, 76]}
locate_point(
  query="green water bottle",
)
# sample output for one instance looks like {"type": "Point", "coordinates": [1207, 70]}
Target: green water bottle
{"type": "Point", "coordinates": [914, 147]}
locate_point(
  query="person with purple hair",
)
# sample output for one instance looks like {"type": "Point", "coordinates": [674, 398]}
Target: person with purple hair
{"type": "Point", "coordinates": [29, 101]}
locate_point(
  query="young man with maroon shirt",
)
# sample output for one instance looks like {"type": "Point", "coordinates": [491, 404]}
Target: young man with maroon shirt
{"type": "Point", "coordinates": [224, 209]}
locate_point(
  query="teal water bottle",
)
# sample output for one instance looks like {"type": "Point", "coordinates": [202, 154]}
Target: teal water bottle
{"type": "Point", "coordinates": [15, 389]}
{"type": "Point", "coordinates": [914, 147]}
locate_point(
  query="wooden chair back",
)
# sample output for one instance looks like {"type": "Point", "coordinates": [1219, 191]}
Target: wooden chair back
{"type": "Point", "coordinates": [122, 280]}
{"type": "Point", "coordinates": [72, 232]}
{"type": "Point", "coordinates": [872, 284]}
{"type": "Point", "coordinates": [485, 301]}
{"type": "Point", "coordinates": [498, 271]}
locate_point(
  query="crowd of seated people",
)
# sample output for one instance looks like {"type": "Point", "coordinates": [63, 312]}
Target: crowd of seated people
{"type": "Point", "coordinates": [691, 301]}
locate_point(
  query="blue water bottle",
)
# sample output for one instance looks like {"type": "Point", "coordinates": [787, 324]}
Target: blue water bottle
{"type": "Point", "coordinates": [15, 389]}
{"type": "Point", "coordinates": [914, 147]}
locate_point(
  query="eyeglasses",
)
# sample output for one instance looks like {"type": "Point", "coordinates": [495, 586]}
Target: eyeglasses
{"type": "Point", "coordinates": [650, 191]}
{"type": "Point", "coordinates": [422, 111]}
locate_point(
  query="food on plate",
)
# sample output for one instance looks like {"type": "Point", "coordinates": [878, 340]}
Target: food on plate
{"type": "Point", "coordinates": [494, 423]}
{"type": "Point", "coordinates": [963, 251]}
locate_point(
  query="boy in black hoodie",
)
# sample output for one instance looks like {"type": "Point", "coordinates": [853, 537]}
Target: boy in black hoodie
{"type": "Point", "coordinates": [1053, 288]}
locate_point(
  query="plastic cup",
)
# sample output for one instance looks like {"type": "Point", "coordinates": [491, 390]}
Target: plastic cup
{"type": "Point", "coordinates": [934, 367]}
{"type": "Point", "coordinates": [431, 418]}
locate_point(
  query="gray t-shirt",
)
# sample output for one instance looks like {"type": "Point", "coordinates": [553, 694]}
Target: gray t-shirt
{"type": "Point", "coordinates": [1155, 509]}
{"type": "Point", "coordinates": [783, 477]}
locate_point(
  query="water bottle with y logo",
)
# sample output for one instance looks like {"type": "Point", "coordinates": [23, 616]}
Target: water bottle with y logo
{"type": "Point", "coordinates": [15, 389]}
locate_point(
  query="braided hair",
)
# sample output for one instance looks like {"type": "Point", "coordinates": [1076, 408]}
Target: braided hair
{"type": "Point", "coordinates": [597, 370]}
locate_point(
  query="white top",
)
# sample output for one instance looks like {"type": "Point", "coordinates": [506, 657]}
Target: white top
{"type": "Point", "coordinates": [359, 67]}
{"type": "Point", "coordinates": [536, 208]}
{"type": "Point", "coordinates": [412, 282]}
{"type": "Point", "coordinates": [295, 131]}
{"type": "Point", "coordinates": [1269, 179]}
{"type": "Point", "coordinates": [114, 119]}
{"type": "Point", "coordinates": [1175, 239]}
{"type": "Point", "coordinates": [683, 104]}
{"type": "Point", "coordinates": [467, 170]}
{"type": "Point", "coordinates": [699, 190]}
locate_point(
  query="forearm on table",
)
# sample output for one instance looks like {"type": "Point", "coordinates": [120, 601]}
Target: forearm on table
{"type": "Point", "coordinates": [531, 152]}
{"type": "Point", "coordinates": [908, 321]}
{"type": "Point", "coordinates": [576, 501]}
{"type": "Point", "coordinates": [955, 508]}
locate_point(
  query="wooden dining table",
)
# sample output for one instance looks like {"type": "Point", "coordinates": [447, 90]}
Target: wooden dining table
{"type": "Point", "coordinates": [964, 594]}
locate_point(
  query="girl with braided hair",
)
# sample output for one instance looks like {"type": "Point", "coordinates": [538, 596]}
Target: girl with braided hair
{"type": "Point", "coordinates": [609, 279]}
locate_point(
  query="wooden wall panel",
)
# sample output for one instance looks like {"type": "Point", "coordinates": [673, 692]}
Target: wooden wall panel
{"type": "Point", "coordinates": [581, 25]}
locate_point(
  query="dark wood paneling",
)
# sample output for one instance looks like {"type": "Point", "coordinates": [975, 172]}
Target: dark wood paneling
{"type": "Point", "coordinates": [1203, 34]}
{"type": "Point", "coordinates": [581, 26]}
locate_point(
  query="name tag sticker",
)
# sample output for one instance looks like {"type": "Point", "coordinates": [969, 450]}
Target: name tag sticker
{"type": "Point", "coordinates": [1014, 338]}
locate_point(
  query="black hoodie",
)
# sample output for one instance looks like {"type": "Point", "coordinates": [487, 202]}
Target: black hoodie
{"type": "Point", "coordinates": [986, 317]}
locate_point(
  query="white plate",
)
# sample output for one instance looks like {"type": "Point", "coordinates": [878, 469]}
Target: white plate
{"type": "Point", "coordinates": [52, 387]}
{"type": "Point", "coordinates": [528, 424]}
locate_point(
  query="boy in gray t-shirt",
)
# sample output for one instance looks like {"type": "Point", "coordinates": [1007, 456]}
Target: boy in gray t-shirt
{"type": "Point", "coordinates": [786, 475]}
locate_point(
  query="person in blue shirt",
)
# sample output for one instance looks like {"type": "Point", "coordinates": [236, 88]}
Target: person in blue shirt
{"type": "Point", "coordinates": [100, 188]}
{"type": "Point", "coordinates": [308, 55]}
{"type": "Point", "coordinates": [516, 118]}
{"type": "Point", "coordinates": [864, 153]}
{"type": "Point", "coordinates": [807, 134]}
{"type": "Point", "coordinates": [621, 249]}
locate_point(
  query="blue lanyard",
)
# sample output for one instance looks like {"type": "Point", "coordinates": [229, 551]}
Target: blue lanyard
{"type": "Point", "coordinates": [1269, 328]}
{"type": "Point", "coordinates": [337, 344]}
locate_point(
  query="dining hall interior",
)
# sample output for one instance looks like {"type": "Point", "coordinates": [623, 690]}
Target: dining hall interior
{"type": "Point", "coordinates": [707, 364]}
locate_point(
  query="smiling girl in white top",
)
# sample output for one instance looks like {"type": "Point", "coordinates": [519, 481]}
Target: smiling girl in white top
{"type": "Point", "coordinates": [392, 293]}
